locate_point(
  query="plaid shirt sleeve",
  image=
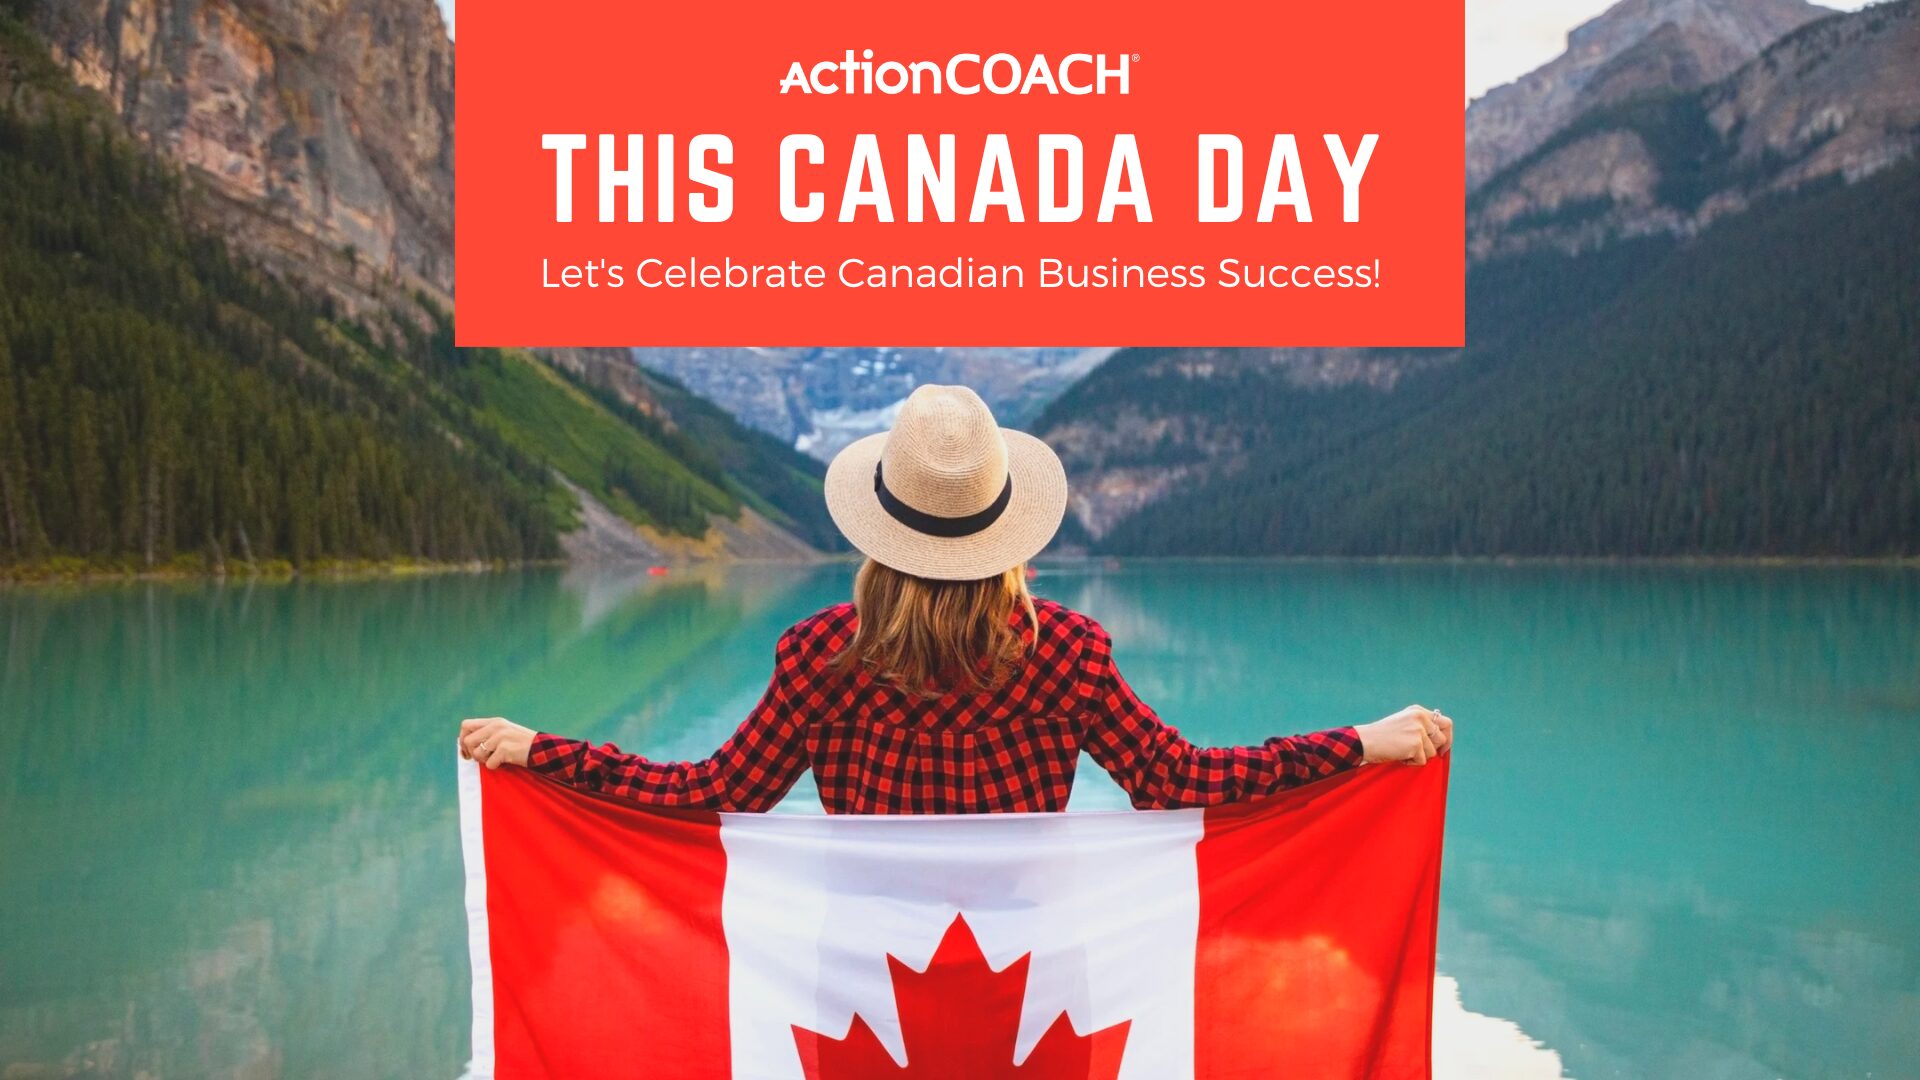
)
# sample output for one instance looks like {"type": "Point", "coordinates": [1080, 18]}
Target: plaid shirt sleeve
{"type": "Point", "coordinates": [1160, 770]}
{"type": "Point", "coordinates": [751, 771]}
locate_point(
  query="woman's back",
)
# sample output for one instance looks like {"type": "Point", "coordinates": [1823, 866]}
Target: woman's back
{"type": "Point", "coordinates": [875, 748]}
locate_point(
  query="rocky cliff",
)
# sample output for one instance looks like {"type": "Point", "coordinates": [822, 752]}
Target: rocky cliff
{"type": "Point", "coordinates": [323, 127]}
{"type": "Point", "coordinates": [1634, 47]}
{"type": "Point", "coordinates": [1838, 97]}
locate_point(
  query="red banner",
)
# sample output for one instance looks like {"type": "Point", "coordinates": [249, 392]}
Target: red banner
{"type": "Point", "coordinates": [1015, 174]}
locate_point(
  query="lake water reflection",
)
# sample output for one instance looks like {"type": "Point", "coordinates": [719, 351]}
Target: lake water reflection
{"type": "Point", "coordinates": [1681, 845]}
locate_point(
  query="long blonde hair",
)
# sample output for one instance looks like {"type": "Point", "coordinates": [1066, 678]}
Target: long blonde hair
{"type": "Point", "coordinates": [929, 637]}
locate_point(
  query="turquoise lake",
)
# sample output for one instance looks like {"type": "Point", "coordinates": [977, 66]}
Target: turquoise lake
{"type": "Point", "coordinates": [1683, 839]}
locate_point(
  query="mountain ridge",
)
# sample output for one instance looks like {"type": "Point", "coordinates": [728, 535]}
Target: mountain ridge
{"type": "Point", "coordinates": [1633, 46]}
{"type": "Point", "coordinates": [1825, 99]}
{"type": "Point", "coordinates": [1151, 427]}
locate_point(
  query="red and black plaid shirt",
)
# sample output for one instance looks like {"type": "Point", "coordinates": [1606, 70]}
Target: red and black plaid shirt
{"type": "Point", "coordinates": [875, 750]}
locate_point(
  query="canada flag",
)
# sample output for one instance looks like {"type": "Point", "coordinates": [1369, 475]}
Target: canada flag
{"type": "Point", "coordinates": [1289, 937]}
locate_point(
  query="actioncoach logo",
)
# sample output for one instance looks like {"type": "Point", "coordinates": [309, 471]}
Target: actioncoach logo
{"type": "Point", "coordinates": [964, 74]}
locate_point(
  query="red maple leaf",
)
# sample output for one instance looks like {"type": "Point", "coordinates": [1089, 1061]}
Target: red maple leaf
{"type": "Point", "coordinates": [960, 1019]}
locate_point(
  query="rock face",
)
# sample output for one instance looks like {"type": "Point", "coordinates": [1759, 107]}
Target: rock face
{"type": "Point", "coordinates": [1838, 97]}
{"type": "Point", "coordinates": [1841, 97]}
{"type": "Point", "coordinates": [325, 123]}
{"type": "Point", "coordinates": [1634, 47]}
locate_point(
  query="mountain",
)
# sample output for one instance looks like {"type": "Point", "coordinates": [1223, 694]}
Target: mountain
{"type": "Point", "coordinates": [320, 131]}
{"type": "Point", "coordinates": [822, 399]}
{"type": "Point", "coordinates": [1837, 97]}
{"type": "Point", "coordinates": [224, 335]}
{"type": "Point", "coordinates": [1634, 47]}
{"type": "Point", "coordinates": [313, 123]}
{"type": "Point", "coordinates": [819, 400]}
{"type": "Point", "coordinates": [1738, 380]}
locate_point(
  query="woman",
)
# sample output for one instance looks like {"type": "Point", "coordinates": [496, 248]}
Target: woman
{"type": "Point", "coordinates": [945, 687]}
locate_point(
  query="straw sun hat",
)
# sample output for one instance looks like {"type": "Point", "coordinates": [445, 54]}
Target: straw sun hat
{"type": "Point", "coordinates": [947, 494]}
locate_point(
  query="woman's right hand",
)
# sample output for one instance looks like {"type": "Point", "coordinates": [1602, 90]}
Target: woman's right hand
{"type": "Point", "coordinates": [1414, 735]}
{"type": "Point", "coordinates": [494, 741]}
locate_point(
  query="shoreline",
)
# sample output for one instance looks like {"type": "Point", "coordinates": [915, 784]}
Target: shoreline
{"type": "Point", "coordinates": [65, 570]}
{"type": "Point", "coordinates": [75, 572]}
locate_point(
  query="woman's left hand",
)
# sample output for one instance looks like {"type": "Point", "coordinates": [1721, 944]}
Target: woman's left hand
{"type": "Point", "coordinates": [1414, 736]}
{"type": "Point", "coordinates": [494, 741]}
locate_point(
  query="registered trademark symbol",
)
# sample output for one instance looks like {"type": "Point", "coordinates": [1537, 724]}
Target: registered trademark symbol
{"type": "Point", "coordinates": [1136, 58]}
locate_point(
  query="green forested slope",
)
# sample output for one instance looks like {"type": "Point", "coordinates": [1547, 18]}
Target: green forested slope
{"type": "Point", "coordinates": [1753, 392]}
{"type": "Point", "coordinates": [157, 400]}
{"type": "Point", "coordinates": [164, 406]}
{"type": "Point", "coordinates": [767, 474]}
